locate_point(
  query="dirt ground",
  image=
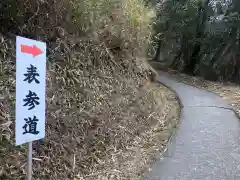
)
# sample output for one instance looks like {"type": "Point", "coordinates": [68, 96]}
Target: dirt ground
{"type": "Point", "coordinates": [128, 163]}
{"type": "Point", "coordinates": [105, 118]}
{"type": "Point", "coordinates": [116, 140]}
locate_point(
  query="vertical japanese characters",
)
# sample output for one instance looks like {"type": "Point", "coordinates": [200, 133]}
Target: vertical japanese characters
{"type": "Point", "coordinates": [30, 90]}
{"type": "Point", "coordinates": [31, 101]}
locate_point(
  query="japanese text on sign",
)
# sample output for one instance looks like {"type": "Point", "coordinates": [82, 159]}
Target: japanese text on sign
{"type": "Point", "coordinates": [30, 90]}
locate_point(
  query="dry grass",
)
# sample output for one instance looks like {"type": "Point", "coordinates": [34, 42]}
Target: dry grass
{"type": "Point", "coordinates": [109, 129]}
{"type": "Point", "coordinates": [104, 119]}
{"type": "Point", "coordinates": [228, 91]}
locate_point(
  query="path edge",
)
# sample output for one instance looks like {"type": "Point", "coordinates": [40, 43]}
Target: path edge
{"type": "Point", "coordinates": [188, 84]}
{"type": "Point", "coordinates": [166, 152]}
{"type": "Point", "coordinates": [175, 92]}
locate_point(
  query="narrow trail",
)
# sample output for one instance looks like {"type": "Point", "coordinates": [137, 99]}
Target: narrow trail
{"type": "Point", "coordinates": [206, 145]}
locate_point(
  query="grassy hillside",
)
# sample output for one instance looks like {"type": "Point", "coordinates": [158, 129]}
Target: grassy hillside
{"type": "Point", "coordinates": [105, 119]}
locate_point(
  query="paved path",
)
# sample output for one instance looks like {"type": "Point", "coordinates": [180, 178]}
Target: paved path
{"type": "Point", "coordinates": [206, 145]}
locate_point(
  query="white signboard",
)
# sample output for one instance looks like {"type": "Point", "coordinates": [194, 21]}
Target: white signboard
{"type": "Point", "coordinates": [30, 90]}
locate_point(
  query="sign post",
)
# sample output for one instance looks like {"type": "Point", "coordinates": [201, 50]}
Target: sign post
{"type": "Point", "coordinates": [29, 161]}
{"type": "Point", "coordinates": [30, 94]}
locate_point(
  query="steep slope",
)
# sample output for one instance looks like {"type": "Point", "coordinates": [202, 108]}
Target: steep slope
{"type": "Point", "coordinates": [105, 119]}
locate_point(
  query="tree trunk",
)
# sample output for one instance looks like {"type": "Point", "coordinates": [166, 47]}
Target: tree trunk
{"type": "Point", "coordinates": [195, 57]}
{"type": "Point", "coordinates": [178, 56]}
{"type": "Point", "coordinates": [158, 52]}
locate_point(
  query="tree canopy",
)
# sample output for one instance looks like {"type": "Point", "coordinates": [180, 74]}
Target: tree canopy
{"type": "Point", "coordinates": [199, 37]}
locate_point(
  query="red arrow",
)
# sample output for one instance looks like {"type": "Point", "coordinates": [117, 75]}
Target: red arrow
{"type": "Point", "coordinates": [34, 50]}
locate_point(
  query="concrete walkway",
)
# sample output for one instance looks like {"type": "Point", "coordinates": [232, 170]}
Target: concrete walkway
{"type": "Point", "coordinates": [206, 145]}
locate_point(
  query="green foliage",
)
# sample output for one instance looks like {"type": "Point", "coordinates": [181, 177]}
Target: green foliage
{"type": "Point", "coordinates": [121, 24]}
{"type": "Point", "coordinates": [89, 14]}
{"type": "Point", "coordinates": [130, 20]}
{"type": "Point", "coordinates": [206, 34]}
{"type": "Point", "coordinates": [8, 14]}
